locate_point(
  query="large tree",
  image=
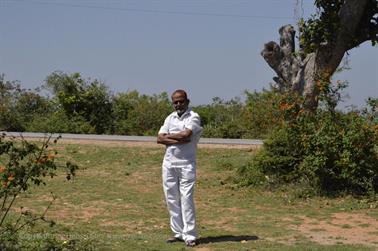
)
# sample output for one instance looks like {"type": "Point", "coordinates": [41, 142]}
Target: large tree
{"type": "Point", "coordinates": [338, 26]}
{"type": "Point", "coordinates": [80, 98]}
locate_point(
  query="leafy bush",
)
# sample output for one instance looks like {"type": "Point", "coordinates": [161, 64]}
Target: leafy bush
{"type": "Point", "coordinates": [23, 164]}
{"type": "Point", "coordinates": [254, 118]}
{"type": "Point", "coordinates": [82, 99]}
{"type": "Point", "coordinates": [330, 152]}
{"type": "Point", "coordinates": [19, 106]}
{"type": "Point", "coordinates": [370, 112]}
{"type": "Point", "coordinates": [59, 122]}
{"type": "Point", "coordinates": [136, 114]}
{"type": "Point", "coordinates": [222, 119]}
{"type": "Point", "coordinates": [262, 114]}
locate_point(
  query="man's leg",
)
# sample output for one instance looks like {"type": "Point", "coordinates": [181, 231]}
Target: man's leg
{"type": "Point", "coordinates": [172, 197]}
{"type": "Point", "coordinates": [187, 180]}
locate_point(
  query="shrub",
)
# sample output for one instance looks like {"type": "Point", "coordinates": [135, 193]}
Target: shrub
{"type": "Point", "coordinates": [59, 122]}
{"type": "Point", "coordinates": [137, 114]}
{"type": "Point", "coordinates": [222, 119]}
{"type": "Point", "coordinates": [330, 152]}
{"type": "Point", "coordinates": [88, 100]}
{"type": "Point", "coordinates": [325, 151]}
{"type": "Point", "coordinates": [18, 106]}
{"type": "Point", "coordinates": [261, 114]}
{"type": "Point", "coordinates": [23, 164]}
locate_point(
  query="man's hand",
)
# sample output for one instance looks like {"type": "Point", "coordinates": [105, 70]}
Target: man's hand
{"type": "Point", "coordinates": [182, 137]}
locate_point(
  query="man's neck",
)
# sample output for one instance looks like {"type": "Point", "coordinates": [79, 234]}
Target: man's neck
{"type": "Point", "coordinates": [183, 112]}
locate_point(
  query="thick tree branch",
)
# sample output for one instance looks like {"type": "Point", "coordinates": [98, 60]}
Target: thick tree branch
{"type": "Point", "coordinates": [282, 60]}
{"type": "Point", "coordinates": [329, 56]}
{"type": "Point", "coordinates": [272, 55]}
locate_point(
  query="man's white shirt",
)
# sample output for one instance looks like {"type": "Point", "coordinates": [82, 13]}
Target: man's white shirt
{"type": "Point", "coordinates": [180, 155]}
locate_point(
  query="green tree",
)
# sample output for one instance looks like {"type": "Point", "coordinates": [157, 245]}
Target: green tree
{"type": "Point", "coordinates": [18, 107]}
{"type": "Point", "coordinates": [83, 99]}
{"type": "Point", "coordinates": [262, 113]}
{"type": "Point", "coordinates": [137, 114]}
{"type": "Point", "coordinates": [222, 119]}
{"type": "Point", "coordinates": [30, 105]}
{"type": "Point", "coordinates": [9, 91]}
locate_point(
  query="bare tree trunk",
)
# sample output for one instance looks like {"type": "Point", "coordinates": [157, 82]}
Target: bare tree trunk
{"type": "Point", "coordinates": [299, 73]}
{"type": "Point", "coordinates": [294, 72]}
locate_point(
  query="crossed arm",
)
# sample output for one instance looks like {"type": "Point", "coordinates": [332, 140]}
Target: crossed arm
{"type": "Point", "coordinates": [182, 137]}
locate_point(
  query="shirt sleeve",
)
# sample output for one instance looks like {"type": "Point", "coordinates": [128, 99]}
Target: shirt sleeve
{"type": "Point", "coordinates": [165, 126]}
{"type": "Point", "coordinates": [194, 124]}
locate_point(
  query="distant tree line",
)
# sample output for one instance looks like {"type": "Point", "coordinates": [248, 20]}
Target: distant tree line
{"type": "Point", "coordinates": [325, 151]}
{"type": "Point", "coordinates": [68, 103]}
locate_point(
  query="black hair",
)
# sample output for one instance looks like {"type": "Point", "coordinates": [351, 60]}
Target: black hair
{"type": "Point", "coordinates": [181, 92]}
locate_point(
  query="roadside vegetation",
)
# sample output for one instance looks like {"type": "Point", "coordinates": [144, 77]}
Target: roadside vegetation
{"type": "Point", "coordinates": [325, 152]}
{"type": "Point", "coordinates": [67, 103]}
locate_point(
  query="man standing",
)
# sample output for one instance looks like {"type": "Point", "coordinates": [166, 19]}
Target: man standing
{"type": "Point", "coordinates": [180, 133]}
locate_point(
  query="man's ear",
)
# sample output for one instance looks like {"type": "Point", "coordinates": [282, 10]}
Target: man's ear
{"type": "Point", "coordinates": [188, 101]}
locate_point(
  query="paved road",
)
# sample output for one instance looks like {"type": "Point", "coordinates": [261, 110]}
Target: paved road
{"type": "Point", "coordinates": [134, 138]}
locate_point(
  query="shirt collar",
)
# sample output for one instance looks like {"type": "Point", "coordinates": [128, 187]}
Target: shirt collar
{"type": "Point", "coordinates": [183, 115]}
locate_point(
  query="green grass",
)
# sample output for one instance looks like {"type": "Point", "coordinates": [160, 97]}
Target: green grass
{"type": "Point", "coordinates": [116, 201]}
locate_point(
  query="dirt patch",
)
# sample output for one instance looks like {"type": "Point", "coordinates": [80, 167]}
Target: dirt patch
{"type": "Point", "coordinates": [138, 181]}
{"type": "Point", "coordinates": [112, 223]}
{"type": "Point", "coordinates": [236, 210]}
{"type": "Point", "coordinates": [133, 225]}
{"type": "Point", "coordinates": [69, 211]}
{"type": "Point", "coordinates": [224, 223]}
{"type": "Point", "coordinates": [345, 228]}
{"type": "Point", "coordinates": [87, 212]}
{"type": "Point", "coordinates": [202, 249]}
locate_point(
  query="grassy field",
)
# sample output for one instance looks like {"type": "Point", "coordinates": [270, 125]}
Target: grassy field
{"type": "Point", "coordinates": [116, 202]}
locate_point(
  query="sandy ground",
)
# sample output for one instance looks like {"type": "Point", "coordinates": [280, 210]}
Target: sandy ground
{"type": "Point", "coordinates": [343, 227]}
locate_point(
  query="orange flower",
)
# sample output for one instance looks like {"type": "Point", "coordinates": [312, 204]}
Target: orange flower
{"type": "Point", "coordinates": [51, 156]}
{"type": "Point", "coordinates": [375, 128]}
{"type": "Point", "coordinates": [283, 106]}
{"type": "Point", "coordinates": [290, 106]}
{"type": "Point", "coordinates": [10, 178]}
{"type": "Point", "coordinates": [40, 161]}
{"type": "Point", "coordinates": [2, 169]}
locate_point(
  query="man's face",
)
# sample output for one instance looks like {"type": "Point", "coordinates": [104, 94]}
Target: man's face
{"type": "Point", "coordinates": [180, 103]}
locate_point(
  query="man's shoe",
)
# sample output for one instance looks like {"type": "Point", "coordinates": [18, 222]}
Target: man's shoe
{"type": "Point", "coordinates": [190, 243]}
{"type": "Point", "coordinates": [174, 239]}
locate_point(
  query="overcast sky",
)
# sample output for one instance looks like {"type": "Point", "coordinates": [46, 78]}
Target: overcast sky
{"type": "Point", "coordinates": [208, 47]}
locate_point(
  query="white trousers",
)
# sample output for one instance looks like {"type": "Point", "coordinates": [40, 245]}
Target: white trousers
{"type": "Point", "coordinates": [178, 184]}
